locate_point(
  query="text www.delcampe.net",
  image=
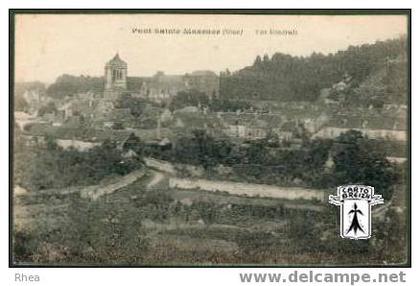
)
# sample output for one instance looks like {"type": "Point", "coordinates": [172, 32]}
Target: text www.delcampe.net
{"type": "Point", "coordinates": [350, 278]}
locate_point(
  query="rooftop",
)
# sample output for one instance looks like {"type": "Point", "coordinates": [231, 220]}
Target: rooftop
{"type": "Point", "coordinates": [117, 62]}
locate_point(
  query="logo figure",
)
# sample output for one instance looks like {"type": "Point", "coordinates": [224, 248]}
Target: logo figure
{"type": "Point", "coordinates": [355, 222]}
{"type": "Point", "coordinates": [355, 203]}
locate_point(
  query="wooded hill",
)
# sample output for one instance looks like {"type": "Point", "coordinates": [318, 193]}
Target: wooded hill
{"type": "Point", "coordinates": [291, 78]}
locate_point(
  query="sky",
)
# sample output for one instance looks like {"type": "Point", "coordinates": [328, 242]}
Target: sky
{"type": "Point", "coordinates": [47, 46]}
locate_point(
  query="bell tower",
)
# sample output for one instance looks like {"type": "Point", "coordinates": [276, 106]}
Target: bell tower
{"type": "Point", "coordinates": [115, 76]}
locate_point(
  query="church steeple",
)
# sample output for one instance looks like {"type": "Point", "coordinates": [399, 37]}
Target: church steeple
{"type": "Point", "coordinates": [116, 74]}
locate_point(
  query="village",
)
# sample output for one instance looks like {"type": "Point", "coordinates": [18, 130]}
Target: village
{"type": "Point", "coordinates": [99, 113]}
{"type": "Point", "coordinates": [198, 171]}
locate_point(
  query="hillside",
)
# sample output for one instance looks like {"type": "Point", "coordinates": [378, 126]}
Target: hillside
{"type": "Point", "coordinates": [290, 78]}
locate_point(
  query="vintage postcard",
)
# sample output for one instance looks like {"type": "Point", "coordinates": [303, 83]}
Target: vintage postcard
{"type": "Point", "coordinates": [200, 138]}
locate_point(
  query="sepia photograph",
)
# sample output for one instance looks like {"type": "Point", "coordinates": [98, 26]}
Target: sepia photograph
{"type": "Point", "coordinates": [210, 138]}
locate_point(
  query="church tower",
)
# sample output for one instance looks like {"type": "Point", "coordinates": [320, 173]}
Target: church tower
{"type": "Point", "coordinates": [115, 76]}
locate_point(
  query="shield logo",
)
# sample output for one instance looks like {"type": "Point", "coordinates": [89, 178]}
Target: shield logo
{"type": "Point", "coordinates": [355, 203]}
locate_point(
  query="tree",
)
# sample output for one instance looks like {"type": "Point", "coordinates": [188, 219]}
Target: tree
{"type": "Point", "coordinates": [58, 168]}
{"type": "Point", "coordinates": [257, 60]}
{"type": "Point", "coordinates": [266, 58]}
{"type": "Point", "coordinates": [288, 78]}
{"type": "Point", "coordinates": [134, 143]}
{"type": "Point", "coordinates": [134, 104]}
{"type": "Point", "coordinates": [49, 108]}
{"type": "Point", "coordinates": [20, 103]}
{"type": "Point", "coordinates": [358, 160]}
{"type": "Point", "coordinates": [69, 85]}
{"type": "Point", "coordinates": [189, 98]}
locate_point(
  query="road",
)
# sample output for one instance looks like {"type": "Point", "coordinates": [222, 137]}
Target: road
{"type": "Point", "coordinates": [157, 177]}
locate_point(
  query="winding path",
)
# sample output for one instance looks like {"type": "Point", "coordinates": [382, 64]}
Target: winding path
{"type": "Point", "coordinates": [156, 179]}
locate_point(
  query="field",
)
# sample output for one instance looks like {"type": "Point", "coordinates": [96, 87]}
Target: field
{"type": "Point", "coordinates": [146, 223]}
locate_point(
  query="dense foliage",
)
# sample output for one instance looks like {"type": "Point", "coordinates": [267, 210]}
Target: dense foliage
{"type": "Point", "coordinates": [292, 78]}
{"type": "Point", "coordinates": [54, 167]}
{"type": "Point", "coordinates": [20, 104]}
{"type": "Point", "coordinates": [358, 160]}
{"type": "Point", "coordinates": [135, 104]}
{"type": "Point", "coordinates": [49, 108]}
{"type": "Point", "coordinates": [188, 98]}
{"type": "Point", "coordinates": [21, 87]}
{"type": "Point", "coordinates": [354, 159]}
{"type": "Point", "coordinates": [69, 85]}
